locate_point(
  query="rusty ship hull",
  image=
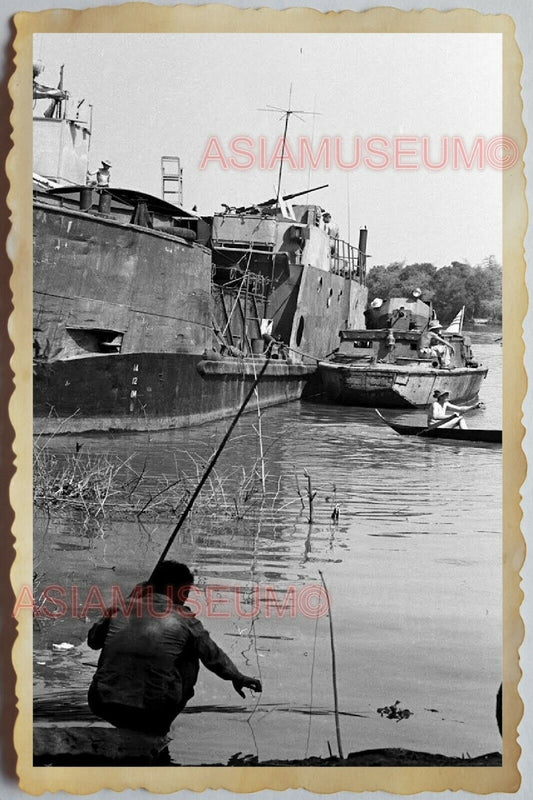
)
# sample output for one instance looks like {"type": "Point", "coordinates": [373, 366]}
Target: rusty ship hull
{"type": "Point", "coordinates": [393, 386]}
{"type": "Point", "coordinates": [147, 315]}
{"type": "Point", "coordinates": [153, 391]}
{"type": "Point", "coordinates": [130, 329]}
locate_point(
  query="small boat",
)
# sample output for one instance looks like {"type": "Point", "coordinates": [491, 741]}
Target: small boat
{"type": "Point", "coordinates": [391, 365]}
{"type": "Point", "coordinates": [459, 434]}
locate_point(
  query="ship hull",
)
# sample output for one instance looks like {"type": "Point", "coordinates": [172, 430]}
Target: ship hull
{"type": "Point", "coordinates": [391, 386]}
{"type": "Point", "coordinates": [124, 312]}
{"type": "Point", "coordinates": [153, 391]}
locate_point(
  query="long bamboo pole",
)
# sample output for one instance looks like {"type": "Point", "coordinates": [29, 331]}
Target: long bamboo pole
{"type": "Point", "coordinates": [210, 466]}
{"type": "Point", "coordinates": [333, 668]}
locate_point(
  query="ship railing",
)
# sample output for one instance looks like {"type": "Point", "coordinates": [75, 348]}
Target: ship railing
{"type": "Point", "coordinates": [345, 261]}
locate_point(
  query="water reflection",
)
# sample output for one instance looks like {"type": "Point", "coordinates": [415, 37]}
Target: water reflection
{"type": "Point", "coordinates": [412, 565]}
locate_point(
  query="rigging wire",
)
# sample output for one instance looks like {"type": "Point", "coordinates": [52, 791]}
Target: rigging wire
{"type": "Point", "coordinates": [253, 638]}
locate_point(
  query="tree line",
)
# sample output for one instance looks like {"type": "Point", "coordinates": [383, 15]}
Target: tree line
{"type": "Point", "coordinates": [478, 288]}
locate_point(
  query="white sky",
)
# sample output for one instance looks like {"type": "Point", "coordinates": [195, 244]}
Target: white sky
{"type": "Point", "coordinates": [166, 94]}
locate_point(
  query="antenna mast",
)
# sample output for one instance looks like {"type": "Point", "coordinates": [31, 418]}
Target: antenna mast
{"type": "Point", "coordinates": [287, 112]}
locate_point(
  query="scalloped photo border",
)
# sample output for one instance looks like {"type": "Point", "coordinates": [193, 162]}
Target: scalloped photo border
{"type": "Point", "coordinates": [140, 18]}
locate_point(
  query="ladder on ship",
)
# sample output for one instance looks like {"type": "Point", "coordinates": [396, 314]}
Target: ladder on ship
{"type": "Point", "coordinates": [240, 312]}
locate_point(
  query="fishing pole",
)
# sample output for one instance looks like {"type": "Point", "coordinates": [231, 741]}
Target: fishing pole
{"type": "Point", "coordinates": [210, 466]}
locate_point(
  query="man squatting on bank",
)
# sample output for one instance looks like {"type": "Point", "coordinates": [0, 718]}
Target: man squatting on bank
{"type": "Point", "coordinates": [150, 660]}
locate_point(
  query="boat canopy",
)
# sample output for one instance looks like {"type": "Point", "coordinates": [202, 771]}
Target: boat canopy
{"type": "Point", "coordinates": [131, 197]}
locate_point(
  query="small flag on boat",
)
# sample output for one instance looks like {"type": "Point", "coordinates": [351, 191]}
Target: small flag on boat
{"type": "Point", "coordinates": [456, 325]}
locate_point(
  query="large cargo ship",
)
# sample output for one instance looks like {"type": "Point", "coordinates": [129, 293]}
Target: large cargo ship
{"type": "Point", "coordinates": [148, 316]}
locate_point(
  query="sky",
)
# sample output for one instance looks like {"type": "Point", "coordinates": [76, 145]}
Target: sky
{"type": "Point", "coordinates": [167, 94]}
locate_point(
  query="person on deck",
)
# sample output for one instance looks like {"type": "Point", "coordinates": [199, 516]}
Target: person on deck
{"type": "Point", "coordinates": [439, 412]}
{"type": "Point", "coordinates": [332, 229]}
{"type": "Point", "coordinates": [151, 656]}
{"type": "Point", "coordinates": [431, 344]}
{"type": "Point", "coordinates": [101, 176]}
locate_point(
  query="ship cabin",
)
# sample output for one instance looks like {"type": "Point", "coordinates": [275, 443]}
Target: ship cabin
{"type": "Point", "coordinates": [395, 334]}
{"type": "Point", "coordinates": [398, 312]}
{"type": "Point", "coordinates": [277, 233]}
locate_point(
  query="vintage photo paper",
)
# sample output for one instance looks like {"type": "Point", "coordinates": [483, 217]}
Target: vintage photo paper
{"type": "Point", "coordinates": [246, 233]}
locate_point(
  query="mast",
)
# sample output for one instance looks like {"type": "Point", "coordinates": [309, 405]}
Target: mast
{"type": "Point", "coordinates": [287, 115]}
{"type": "Point", "coordinates": [287, 112]}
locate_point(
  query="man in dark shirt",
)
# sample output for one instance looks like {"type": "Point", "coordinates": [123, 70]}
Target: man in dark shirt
{"type": "Point", "coordinates": [151, 656]}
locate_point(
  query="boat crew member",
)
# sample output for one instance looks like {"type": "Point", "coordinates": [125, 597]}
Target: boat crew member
{"type": "Point", "coordinates": [440, 408]}
{"type": "Point", "coordinates": [332, 229]}
{"type": "Point", "coordinates": [151, 655]}
{"type": "Point", "coordinates": [431, 344]}
{"type": "Point", "coordinates": [101, 176]}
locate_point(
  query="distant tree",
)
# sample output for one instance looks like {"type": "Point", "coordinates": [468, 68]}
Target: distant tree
{"type": "Point", "coordinates": [491, 310]}
{"type": "Point", "coordinates": [382, 281]}
{"type": "Point", "coordinates": [450, 291]}
{"type": "Point", "coordinates": [485, 287]}
{"type": "Point", "coordinates": [478, 288]}
{"type": "Point", "coordinates": [417, 276]}
{"type": "Point", "coordinates": [490, 261]}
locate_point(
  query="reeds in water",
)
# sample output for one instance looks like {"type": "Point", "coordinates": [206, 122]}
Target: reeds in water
{"type": "Point", "coordinates": [87, 480]}
{"type": "Point", "coordinates": [104, 484]}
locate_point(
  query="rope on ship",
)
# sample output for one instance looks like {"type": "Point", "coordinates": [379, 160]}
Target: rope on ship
{"type": "Point", "coordinates": [243, 279]}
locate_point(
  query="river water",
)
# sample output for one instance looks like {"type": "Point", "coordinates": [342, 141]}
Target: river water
{"type": "Point", "coordinates": [413, 569]}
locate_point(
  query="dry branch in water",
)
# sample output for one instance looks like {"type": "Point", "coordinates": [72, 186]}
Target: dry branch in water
{"type": "Point", "coordinates": [103, 485]}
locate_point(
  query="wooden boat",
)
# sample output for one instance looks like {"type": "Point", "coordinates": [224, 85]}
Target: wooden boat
{"type": "Point", "coordinates": [386, 367]}
{"type": "Point", "coordinates": [458, 434]}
